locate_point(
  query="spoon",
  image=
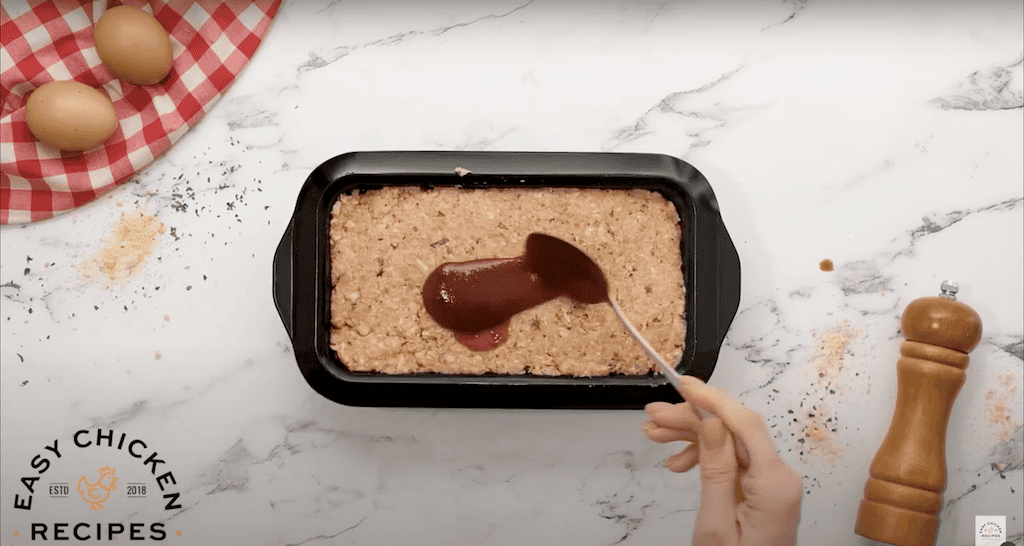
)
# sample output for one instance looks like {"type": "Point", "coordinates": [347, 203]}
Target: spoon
{"type": "Point", "coordinates": [569, 270]}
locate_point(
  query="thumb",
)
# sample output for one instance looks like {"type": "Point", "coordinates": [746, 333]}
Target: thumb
{"type": "Point", "coordinates": [716, 519]}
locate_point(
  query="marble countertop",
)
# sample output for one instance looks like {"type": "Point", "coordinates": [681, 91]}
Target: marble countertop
{"type": "Point", "coordinates": [885, 137]}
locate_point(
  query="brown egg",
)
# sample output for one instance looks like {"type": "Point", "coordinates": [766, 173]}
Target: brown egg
{"type": "Point", "coordinates": [133, 45]}
{"type": "Point", "coordinates": [70, 116]}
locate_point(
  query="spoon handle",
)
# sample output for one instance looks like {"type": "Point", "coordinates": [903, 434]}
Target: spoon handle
{"type": "Point", "coordinates": [668, 371]}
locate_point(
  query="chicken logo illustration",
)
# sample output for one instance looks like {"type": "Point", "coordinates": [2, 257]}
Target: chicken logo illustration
{"type": "Point", "coordinates": [97, 493]}
{"type": "Point", "coordinates": [990, 529]}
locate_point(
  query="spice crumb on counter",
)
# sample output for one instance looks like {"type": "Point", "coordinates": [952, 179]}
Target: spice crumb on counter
{"type": "Point", "coordinates": [999, 408]}
{"type": "Point", "coordinates": [132, 239]}
{"type": "Point", "coordinates": [819, 433]}
{"type": "Point", "coordinates": [833, 346]}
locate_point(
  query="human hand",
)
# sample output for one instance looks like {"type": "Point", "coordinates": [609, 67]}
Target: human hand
{"type": "Point", "coordinates": [749, 495]}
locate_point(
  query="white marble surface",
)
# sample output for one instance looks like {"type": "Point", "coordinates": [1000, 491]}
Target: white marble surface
{"type": "Point", "coordinates": [884, 136]}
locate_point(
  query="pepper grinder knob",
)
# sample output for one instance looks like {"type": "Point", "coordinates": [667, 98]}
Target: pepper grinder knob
{"type": "Point", "coordinates": [949, 289]}
{"type": "Point", "coordinates": [903, 496]}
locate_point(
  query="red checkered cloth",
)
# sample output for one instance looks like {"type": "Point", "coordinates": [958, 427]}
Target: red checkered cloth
{"type": "Point", "coordinates": [52, 40]}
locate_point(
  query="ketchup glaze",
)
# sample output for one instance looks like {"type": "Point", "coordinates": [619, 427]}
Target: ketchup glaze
{"type": "Point", "coordinates": [477, 299]}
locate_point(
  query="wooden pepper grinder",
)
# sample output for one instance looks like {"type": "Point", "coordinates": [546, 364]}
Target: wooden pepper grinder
{"type": "Point", "coordinates": [903, 496]}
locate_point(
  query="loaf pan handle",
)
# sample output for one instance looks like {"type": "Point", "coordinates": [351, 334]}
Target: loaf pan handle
{"type": "Point", "coordinates": [283, 282]}
{"type": "Point", "coordinates": [728, 281]}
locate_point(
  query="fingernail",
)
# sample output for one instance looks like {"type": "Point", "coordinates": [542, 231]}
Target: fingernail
{"type": "Point", "coordinates": [672, 461]}
{"type": "Point", "coordinates": [655, 408]}
{"type": "Point", "coordinates": [712, 434]}
{"type": "Point", "coordinates": [688, 381]}
{"type": "Point", "coordinates": [647, 426]}
{"type": "Point", "coordinates": [687, 384]}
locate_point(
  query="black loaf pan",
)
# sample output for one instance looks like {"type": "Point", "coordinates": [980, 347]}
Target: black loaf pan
{"type": "Point", "coordinates": [302, 284]}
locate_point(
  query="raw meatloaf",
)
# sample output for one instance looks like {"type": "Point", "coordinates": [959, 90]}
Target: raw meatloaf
{"type": "Point", "coordinates": [385, 242]}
